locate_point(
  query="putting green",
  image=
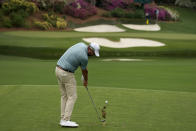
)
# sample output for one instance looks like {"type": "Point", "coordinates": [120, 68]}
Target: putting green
{"type": "Point", "coordinates": [36, 107]}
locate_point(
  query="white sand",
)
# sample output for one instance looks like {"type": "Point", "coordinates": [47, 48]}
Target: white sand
{"type": "Point", "coordinates": [154, 27]}
{"type": "Point", "coordinates": [117, 59]}
{"type": "Point", "coordinates": [124, 42]}
{"type": "Point", "coordinates": [100, 28]}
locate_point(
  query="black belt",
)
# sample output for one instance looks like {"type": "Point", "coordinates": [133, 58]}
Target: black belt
{"type": "Point", "coordinates": [64, 69]}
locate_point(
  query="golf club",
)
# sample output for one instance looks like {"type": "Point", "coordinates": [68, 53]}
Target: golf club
{"type": "Point", "coordinates": [94, 105]}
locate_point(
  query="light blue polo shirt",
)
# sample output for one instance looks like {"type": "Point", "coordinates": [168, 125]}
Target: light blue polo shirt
{"type": "Point", "coordinates": [75, 56]}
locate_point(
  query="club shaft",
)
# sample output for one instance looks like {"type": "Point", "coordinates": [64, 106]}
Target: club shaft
{"type": "Point", "coordinates": [93, 103]}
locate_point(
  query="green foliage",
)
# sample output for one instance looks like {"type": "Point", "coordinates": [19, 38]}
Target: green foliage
{"type": "Point", "coordinates": [58, 6]}
{"type": "Point", "coordinates": [106, 15]}
{"type": "Point", "coordinates": [51, 21]}
{"type": "Point", "coordinates": [43, 25]}
{"type": "Point", "coordinates": [18, 19]}
{"type": "Point", "coordinates": [44, 4]}
{"type": "Point", "coordinates": [15, 5]}
{"type": "Point", "coordinates": [139, 13]}
{"type": "Point", "coordinates": [61, 23]}
{"type": "Point", "coordinates": [194, 4]}
{"type": "Point", "coordinates": [118, 12]}
{"type": "Point", "coordinates": [17, 11]}
{"type": "Point", "coordinates": [50, 18]}
{"type": "Point", "coordinates": [121, 13]}
{"type": "Point", "coordinates": [31, 7]}
{"type": "Point", "coordinates": [170, 2]}
{"type": "Point", "coordinates": [6, 22]}
{"type": "Point", "coordinates": [1, 15]}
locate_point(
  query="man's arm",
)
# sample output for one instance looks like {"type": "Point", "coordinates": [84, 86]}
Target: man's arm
{"type": "Point", "coordinates": [85, 75]}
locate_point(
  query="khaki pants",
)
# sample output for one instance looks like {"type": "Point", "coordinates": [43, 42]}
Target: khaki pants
{"type": "Point", "coordinates": [67, 83]}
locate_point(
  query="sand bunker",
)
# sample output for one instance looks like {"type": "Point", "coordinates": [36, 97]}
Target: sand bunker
{"type": "Point", "coordinates": [100, 28]}
{"type": "Point", "coordinates": [154, 27]}
{"type": "Point", "coordinates": [124, 42]}
{"type": "Point", "coordinates": [113, 28]}
{"type": "Point", "coordinates": [117, 59]}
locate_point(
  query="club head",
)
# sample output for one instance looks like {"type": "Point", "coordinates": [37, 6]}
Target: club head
{"type": "Point", "coordinates": [102, 120]}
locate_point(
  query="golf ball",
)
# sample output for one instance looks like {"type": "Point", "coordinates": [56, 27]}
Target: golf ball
{"type": "Point", "coordinates": [106, 102]}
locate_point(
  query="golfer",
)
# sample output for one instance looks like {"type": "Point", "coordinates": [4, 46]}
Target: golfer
{"type": "Point", "coordinates": [75, 56]}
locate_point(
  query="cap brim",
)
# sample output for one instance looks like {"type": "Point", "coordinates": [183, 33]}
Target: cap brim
{"type": "Point", "coordinates": [97, 53]}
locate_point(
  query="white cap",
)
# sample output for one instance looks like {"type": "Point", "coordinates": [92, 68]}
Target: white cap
{"type": "Point", "coordinates": [96, 48]}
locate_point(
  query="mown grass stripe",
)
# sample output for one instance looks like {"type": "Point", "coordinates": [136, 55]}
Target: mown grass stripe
{"type": "Point", "coordinates": [50, 35]}
{"type": "Point", "coordinates": [98, 87]}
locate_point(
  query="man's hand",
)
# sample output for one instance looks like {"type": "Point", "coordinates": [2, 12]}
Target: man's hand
{"type": "Point", "coordinates": [85, 77]}
{"type": "Point", "coordinates": [85, 83]}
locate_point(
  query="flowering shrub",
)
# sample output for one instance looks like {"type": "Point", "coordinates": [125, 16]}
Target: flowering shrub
{"type": "Point", "coordinates": [51, 21]}
{"type": "Point", "coordinates": [173, 13]}
{"type": "Point", "coordinates": [80, 9]}
{"type": "Point", "coordinates": [61, 23]}
{"type": "Point", "coordinates": [43, 25]}
{"type": "Point", "coordinates": [163, 14]}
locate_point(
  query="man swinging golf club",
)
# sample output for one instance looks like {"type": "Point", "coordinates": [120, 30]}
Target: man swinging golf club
{"type": "Point", "coordinates": [75, 56]}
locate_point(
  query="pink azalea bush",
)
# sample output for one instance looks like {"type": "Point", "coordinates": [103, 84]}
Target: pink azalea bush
{"type": "Point", "coordinates": [80, 9]}
{"type": "Point", "coordinates": [163, 14]}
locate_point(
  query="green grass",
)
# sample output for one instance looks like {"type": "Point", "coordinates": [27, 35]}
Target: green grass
{"type": "Point", "coordinates": [37, 108]}
{"type": "Point", "coordinates": [155, 73]}
{"type": "Point", "coordinates": [155, 94]}
{"type": "Point", "coordinates": [186, 23]}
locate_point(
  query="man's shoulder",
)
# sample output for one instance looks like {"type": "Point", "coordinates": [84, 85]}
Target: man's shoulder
{"type": "Point", "coordinates": [81, 44]}
{"type": "Point", "coordinates": [78, 46]}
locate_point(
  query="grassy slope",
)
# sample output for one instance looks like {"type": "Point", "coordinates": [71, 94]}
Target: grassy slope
{"type": "Point", "coordinates": [186, 23]}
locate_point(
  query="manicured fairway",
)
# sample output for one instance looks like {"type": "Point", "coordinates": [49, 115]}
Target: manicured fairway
{"type": "Point", "coordinates": [152, 73]}
{"type": "Point", "coordinates": [154, 94]}
{"type": "Point", "coordinates": [37, 108]}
